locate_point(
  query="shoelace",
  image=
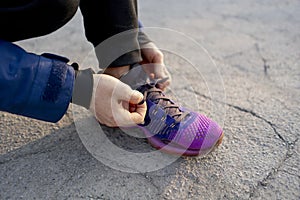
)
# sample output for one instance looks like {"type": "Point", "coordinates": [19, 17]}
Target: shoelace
{"type": "Point", "coordinates": [152, 92]}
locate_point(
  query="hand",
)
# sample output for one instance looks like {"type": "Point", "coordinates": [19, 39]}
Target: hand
{"type": "Point", "coordinates": [153, 64]}
{"type": "Point", "coordinates": [115, 104]}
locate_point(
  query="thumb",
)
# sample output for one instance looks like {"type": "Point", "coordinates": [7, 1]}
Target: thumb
{"type": "Point", "coordinates": [125, 93]}
{"type": "Point", "coordinates": [136, 97]}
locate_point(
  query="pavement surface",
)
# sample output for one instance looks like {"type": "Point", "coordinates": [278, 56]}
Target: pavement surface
{"type": "Point", "coordinates": [256, 46]}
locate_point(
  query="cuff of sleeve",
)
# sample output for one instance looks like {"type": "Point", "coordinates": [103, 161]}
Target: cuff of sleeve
{"type": "Point", "coordinates": [129, 58]}
{"type": "Point", "coordinates": [83, 89]}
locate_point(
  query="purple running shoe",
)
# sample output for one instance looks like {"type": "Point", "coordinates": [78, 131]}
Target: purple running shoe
{"type": "Point", "coordinates": [176, 130]}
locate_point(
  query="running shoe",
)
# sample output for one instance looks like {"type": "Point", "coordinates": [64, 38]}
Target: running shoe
{"type": "Point", "coordinates": [174, 129]}
{"type": "Point", "coordinates": [170, 127]}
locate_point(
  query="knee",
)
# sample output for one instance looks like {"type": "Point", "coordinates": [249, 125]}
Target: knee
{"type": "Point", "coordinates": [64, 9]}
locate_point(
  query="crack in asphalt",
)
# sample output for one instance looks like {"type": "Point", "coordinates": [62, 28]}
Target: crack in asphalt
{"type": "Point", "coordinates": [273, 126]}
{"type": "Point", "coordinates": [289, 145]}
{"type": "Point", "coordinates": [257, 48]}
{"type": "Point", "coordinates": [262, 183]}
{"type": "Point", "coordinates": [265, 65]}
{"type": "Point", "coordinates": [91, 197]}
{"type": "Point", "coordinates": [274, 171]}
{"type": "Point", "coordinates": [150, 180]}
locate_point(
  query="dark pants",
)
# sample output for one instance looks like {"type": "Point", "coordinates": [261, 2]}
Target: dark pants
{"type": "Point", "coordinates": [24, 19]}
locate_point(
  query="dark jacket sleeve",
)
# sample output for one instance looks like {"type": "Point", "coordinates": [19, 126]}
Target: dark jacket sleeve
{"type": "Point", "coordinates": [32, 85]}
{"type": "Point", "coordinates": [142, 37]}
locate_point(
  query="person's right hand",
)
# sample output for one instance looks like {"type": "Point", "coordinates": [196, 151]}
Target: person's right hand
{"type": "Point", "coordinates": [115, 104]}
{"type": "Point", "coordinates": [153, 64]}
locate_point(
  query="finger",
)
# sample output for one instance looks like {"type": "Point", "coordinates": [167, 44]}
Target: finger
{"type": "Point", "coordinates": [141, 109]}
{"type": "Point", "coordinates": [137, 118]}
{"type": "Point", "coordinates": [159, 70]}
{"type": "Point", "coordinates": [163, 85]}
{"type": "Point", "coordinates": [139, 115]}
{"type": "Point", "coordinates": [152, 76]}
{"type": "Point", "coordinates": [124, 116]}
{"type": "Point", "coordinates": [125, 93]}
{"type": "Point", "coordinates": [136, 97]}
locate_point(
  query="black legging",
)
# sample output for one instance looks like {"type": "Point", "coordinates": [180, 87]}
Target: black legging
{"type": "Point", "coordinates": [24, 19]}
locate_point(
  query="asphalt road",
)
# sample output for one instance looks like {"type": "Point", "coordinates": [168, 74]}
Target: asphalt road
{"type": "Point", "coordinates": [253, 92]}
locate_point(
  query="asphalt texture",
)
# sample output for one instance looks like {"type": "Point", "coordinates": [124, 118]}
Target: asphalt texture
{"type": "Point", "coordinates": [256, 89]}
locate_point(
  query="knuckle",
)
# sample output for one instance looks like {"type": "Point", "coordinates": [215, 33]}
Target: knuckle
{"type": "Point", "coordinates": [159, 54]}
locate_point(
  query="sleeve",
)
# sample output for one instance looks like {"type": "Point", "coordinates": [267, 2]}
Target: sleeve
{"type": "Point", "coordinates": [32, 85]}
{"type": "Point", "coordinates": [142, 36]}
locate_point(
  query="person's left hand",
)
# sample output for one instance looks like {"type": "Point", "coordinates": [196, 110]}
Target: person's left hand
{"type": "Point", "coordinates": [153, 64]}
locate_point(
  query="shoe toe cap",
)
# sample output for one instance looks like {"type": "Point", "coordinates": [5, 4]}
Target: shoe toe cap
{"type": "Point", "coordinates": [211, 137]}
{"type": "Point", "coordinates": [202, 134]}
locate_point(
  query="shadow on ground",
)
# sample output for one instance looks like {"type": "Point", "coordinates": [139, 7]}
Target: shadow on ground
{"type": "Point", "coordinates": [58, 166]}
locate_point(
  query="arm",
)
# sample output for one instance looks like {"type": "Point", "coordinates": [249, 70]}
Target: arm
{"type": "Point", "coordinates": [41, 87]}
{"type": "Point", "coordinates": [153, 59]}
{"type": "Point", "coordinates": [33, 85]}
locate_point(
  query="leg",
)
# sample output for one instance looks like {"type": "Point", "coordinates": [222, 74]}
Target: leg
{"type": "Point", "coordinates": [105, 18]}
{"type": "Point", "coordinates": [24, 19]}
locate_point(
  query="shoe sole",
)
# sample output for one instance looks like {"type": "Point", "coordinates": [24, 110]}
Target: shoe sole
{"type": "Point", "coordinates": [177, 150]}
